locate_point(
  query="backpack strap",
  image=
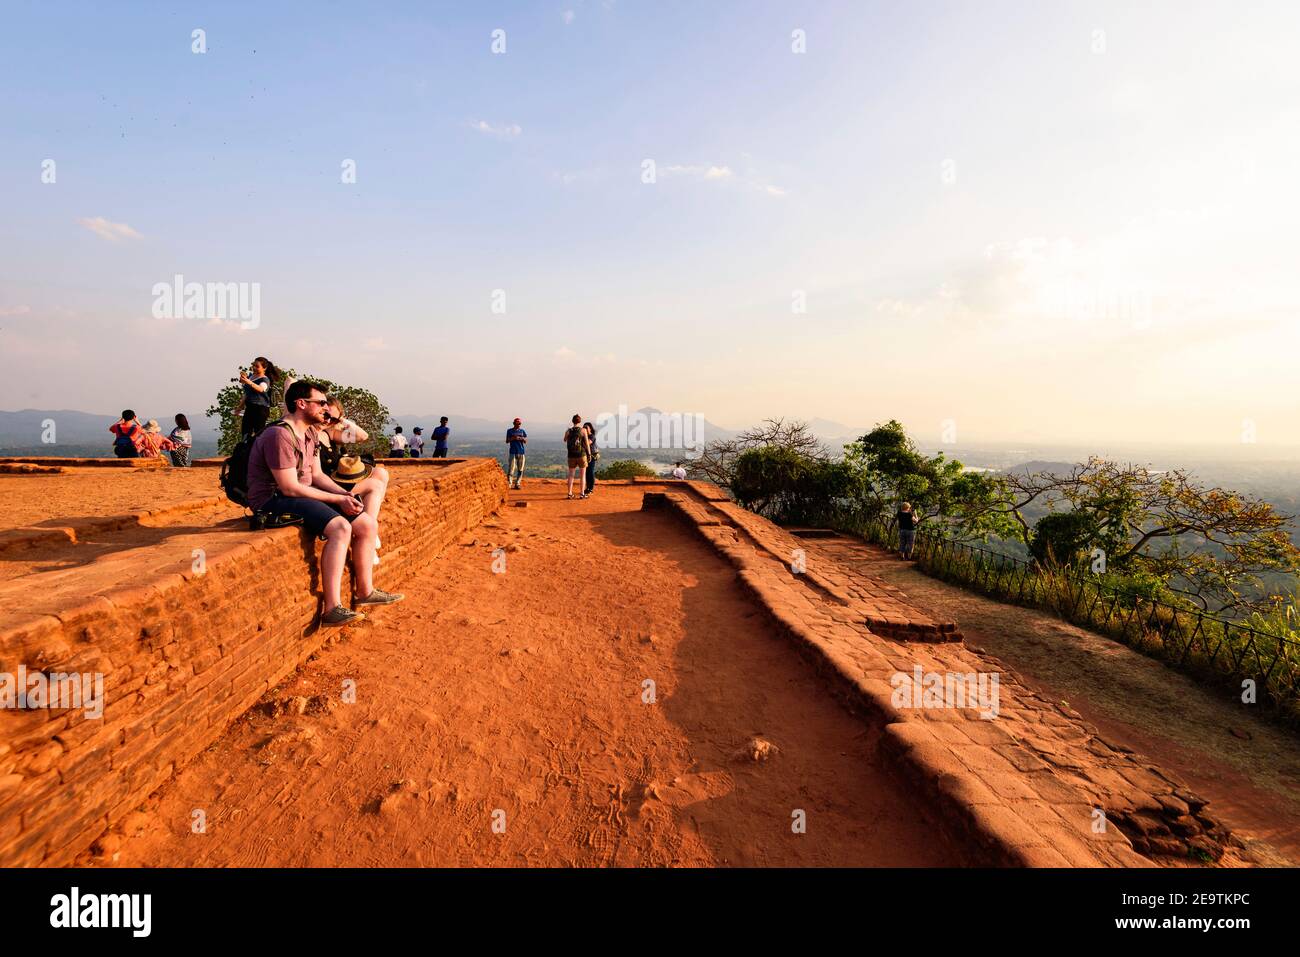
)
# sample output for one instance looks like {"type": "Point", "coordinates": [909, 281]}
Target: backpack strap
{"type": "Point", "coordinates": [296, 450]}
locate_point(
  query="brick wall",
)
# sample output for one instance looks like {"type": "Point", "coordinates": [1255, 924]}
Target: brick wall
{"type": "Point", "coordinates": [1024, 789]}
{"type": "Point", "coordinates": [183, 654]}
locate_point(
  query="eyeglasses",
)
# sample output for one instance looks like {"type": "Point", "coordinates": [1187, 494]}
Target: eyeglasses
{"type": "Point", "coordinates": [317, 401]}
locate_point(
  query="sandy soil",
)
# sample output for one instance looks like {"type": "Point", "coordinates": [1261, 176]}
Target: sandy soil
{"type": "Point", "coordinates": [94, 493]}
{"type": "Point", "coordinates": [516, 699]}
{"type": "Point", "coordinates": [1247, 767]}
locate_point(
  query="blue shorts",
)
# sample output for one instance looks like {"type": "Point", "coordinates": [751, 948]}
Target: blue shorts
{"type": "Point", "coordinates": [906, 539]}
{"type": "Point", "coordinates": [315, 515]}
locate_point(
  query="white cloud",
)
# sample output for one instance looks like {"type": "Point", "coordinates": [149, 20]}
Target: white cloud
{"type": "Point", "coordinates": [569, 177]}
{"type": "Point", "coordinates": [504, 130]}
{"type": "Point", "coordinates": [221, 325]}
{"type": "Point", "coordinates": [699, 172]}
{"type": "Point", "coordinates": [721, 174]}
{"type": "Point", "coordinates": [104, 229]}
{"type": "Point", "coordinates": [586, 359]}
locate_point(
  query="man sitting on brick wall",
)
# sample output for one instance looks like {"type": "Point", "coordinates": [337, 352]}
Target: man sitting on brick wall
{"type": "Point", "coordinates": [281, 478]}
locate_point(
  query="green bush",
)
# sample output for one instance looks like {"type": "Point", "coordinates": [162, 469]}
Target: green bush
{"type": "Point", "coordinates": [1063, 538]}
{"type": "Point", "coordinates": [787, 486]}
{"type": "Point", "coordinates": [626, 469]}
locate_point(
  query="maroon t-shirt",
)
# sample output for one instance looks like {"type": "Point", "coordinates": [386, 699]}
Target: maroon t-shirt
{"type": "Point", "coordinates": [277, 448]}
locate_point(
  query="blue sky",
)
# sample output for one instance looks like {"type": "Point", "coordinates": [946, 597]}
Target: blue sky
{"type": "Point", "coordinates": [994, 219]}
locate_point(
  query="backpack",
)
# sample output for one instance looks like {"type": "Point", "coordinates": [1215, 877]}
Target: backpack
{"type": "Point", "coordinates": [234, 470]}
{"type": "Point", "coordinates": [126, 438]}
{"type": "Point", "coordinates": [575, 439]}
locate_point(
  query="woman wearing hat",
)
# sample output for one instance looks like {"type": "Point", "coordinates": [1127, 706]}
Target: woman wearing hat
{"type": "Point", "coordinates": [154, 442]}
{"type": "Point", "coordinates": [371, 485]}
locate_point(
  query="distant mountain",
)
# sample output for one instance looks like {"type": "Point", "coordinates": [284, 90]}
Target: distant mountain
{"type": "Point", "coordinates": [835, 433]}
{"type": "Point", "coordinates": [1028, 468]}
{"type": "Point", "coordinates": [26, 427]}
{"type": "Point", "coordinates": [701, 428]}
{"type": "Point", "coordinates": [654, 426]}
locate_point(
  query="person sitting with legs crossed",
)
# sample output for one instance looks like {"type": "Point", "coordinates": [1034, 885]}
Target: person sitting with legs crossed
{"type": "Point", "coordinates": [282, 478]}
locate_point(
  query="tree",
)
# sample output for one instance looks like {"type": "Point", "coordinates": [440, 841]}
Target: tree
{"type": "Point", "coordinates": [1062, 538]}
{"type": "Point", "coordinates": [1209, 544]}
{"type": "Point", "coordinates": [789, 487]}
{"type": "Point", "coordinates": [717, 462]}
{"type": "Point", "coordinates": [625, 469]}
{"type": "Point", "coordinates": [886, 468]}
{"type": "Point", "coordinates": [361, 405]}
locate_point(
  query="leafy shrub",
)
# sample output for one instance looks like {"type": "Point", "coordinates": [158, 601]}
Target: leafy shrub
{"type": "Point", "coordinates": [787, 486]}
{"type": "Point", "coordinates": [625, 469]}
{"type": "Point", "coordinates": [1062, 538]}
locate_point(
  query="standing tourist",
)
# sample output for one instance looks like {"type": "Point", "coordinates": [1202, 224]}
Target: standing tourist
{"type": "Point", "coordinates": [593, 453]}
{"type": "Point", "coordinates": [440, 439]}
{"type": "Point", "coordinates": [517, 439]}
{"type": "Point", "coordinates": [907, 522]}
{"type": "Point", "coordinates": [578, 449]}
{"type": "Point", "coordinates": [255, 405]}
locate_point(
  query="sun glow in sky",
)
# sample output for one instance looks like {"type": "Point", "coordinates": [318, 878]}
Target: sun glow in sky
{"type": "Point", "coordinates": [1065, 221]}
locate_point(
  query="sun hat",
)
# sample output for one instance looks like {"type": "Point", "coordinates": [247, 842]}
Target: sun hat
{"type": "Point", "coordinates": [351, 468]}
{"type": "Point", "coordinates": [152, 426]}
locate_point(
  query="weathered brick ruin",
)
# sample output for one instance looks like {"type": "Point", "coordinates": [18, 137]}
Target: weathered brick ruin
{"type": "Point", "coordinates": [187, 645]}
{"type": "Point", "coordinates": [183, 652]}
{"type": "Point", "coordinates": [1032, 787]}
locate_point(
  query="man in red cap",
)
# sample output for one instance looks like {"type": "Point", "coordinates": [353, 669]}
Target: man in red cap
{"type": "Point", "coordinates": [518, 441]}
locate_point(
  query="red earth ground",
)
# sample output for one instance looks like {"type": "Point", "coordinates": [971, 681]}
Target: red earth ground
{"type": "Point", "coordinates": [522, 693]}
{"type": "Point", "coordinates": [500, 719]}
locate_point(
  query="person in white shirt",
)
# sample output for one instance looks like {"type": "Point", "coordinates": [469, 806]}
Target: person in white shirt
{"type": "Point", "coordinates": [678, 471]}
{"type": "Point", "coordinates": [397, 444]}
{"type": "Point", "coordinates": [417, 442]}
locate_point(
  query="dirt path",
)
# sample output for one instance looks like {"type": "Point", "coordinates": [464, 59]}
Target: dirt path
{"type": "Point", "coordinates": [517, 699]}
{"type": "Point", "coordinates": [1248, 768]}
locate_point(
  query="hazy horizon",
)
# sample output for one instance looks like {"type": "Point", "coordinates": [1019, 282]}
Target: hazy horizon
{"type": "Point", "coordinates": [1165, 453]}
{"type": "Point", "coordinates": [1025, 224]}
